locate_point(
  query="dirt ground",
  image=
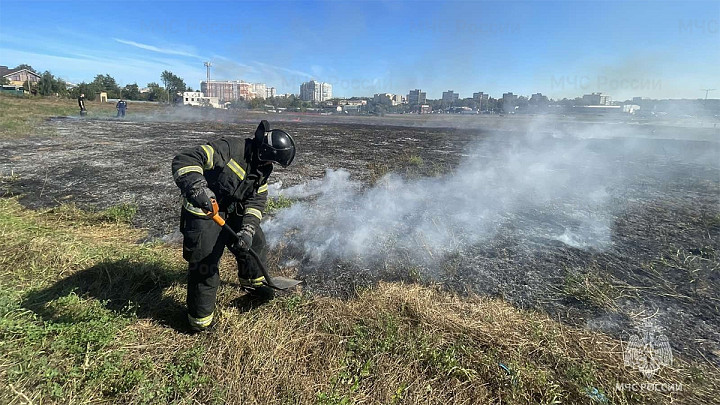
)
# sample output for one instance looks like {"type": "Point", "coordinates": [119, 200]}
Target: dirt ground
{"type": "Point", "coordinates": [663, 262]}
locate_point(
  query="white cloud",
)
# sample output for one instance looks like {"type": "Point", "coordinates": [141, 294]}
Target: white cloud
{"type": "Point", "coordinates": [125, 69]}
{"type": "Point", "coordinates": [291, 71]}
{"type": "Point", "coordinates": [157, 49]}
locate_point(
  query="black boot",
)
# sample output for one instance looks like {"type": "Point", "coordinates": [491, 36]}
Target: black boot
{"type": "Point", "coordinates": [260, 292]}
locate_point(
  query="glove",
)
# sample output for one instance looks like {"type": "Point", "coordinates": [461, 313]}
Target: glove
{"type": "Point", "coordinates": [245, 238]}
{"type": "Point", "coordinates": [200, 197]}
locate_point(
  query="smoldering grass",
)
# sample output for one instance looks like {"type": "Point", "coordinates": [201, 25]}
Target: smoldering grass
{"type": "Point", "coordinates": [559, 181]}
{"type": "Point", "coordinates": [377, 170]}
{"type": "Point", "coordinates": [595, 287]}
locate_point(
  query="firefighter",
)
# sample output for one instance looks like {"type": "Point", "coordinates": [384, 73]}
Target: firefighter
{"type": "Point", "coordinates": [121, 107]}
{"type": "Point", "coordinates": [234, 172]}
{"type": "Point", "coordinates": [81, 104]}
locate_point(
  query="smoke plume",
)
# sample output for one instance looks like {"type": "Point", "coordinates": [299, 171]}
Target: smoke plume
{"type": "Point", "coordinates": [539, 187]}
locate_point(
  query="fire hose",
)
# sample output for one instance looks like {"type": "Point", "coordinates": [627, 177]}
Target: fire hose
{"type": "Point", "coordinates": [278, 283]}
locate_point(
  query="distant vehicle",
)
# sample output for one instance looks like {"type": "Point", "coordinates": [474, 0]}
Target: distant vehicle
{"type": "Point", "coordinates": [10, 89]}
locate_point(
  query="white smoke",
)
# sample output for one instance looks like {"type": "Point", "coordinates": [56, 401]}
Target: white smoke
{"type": "Point", "coordinates": [539, 187]}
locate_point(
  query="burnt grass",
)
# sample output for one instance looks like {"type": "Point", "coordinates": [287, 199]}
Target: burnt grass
{"type": "Point", "coordinates": [663, 263]}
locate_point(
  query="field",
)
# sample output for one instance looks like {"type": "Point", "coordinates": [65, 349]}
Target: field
{"type": "Point", "coordinates": [589, 230]}
{"type": "Point", "coordinates": [20, 117]}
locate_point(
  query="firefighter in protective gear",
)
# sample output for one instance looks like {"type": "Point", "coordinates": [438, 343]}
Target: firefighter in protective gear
{"type": "Point", "coordinates": [234, 172]}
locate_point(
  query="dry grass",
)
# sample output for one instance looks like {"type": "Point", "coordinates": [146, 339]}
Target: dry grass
{"type": "Point", "coordinates": [21, 116]}
{"type": "Point", "coordinates": [87, 315]}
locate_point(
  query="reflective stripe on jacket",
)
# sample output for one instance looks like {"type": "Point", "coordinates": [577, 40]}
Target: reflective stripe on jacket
{"type": "Point", "coordinates": [225, 165]}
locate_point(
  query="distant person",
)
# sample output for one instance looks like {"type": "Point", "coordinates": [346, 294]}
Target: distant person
{"type": "Point", "coordinates": [234, 171]}
{"type": "Point", "coordinates": [121, 107]}
{"type": "Point", "coordinates": [81, 104]}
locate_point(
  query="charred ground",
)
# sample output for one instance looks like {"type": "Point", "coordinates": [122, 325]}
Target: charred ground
{"type": "Point", "coordinates": [662, 264]}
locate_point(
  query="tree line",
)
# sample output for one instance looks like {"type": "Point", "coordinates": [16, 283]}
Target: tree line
{"type": "Point", "coordinates": [51, 85]}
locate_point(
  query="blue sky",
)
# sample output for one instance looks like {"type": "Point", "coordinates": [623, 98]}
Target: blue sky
{"type": "Point", "coordinates": [561, 49]}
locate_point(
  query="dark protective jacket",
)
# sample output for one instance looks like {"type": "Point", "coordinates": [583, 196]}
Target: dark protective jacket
{"type": "Point", "coordinates": [81, 102]}
{"type": "Point", "coordinates": [231, 172]}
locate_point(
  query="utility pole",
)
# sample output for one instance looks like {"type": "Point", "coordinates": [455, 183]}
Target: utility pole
{"type": "Point", "coordinates": [706, 96]}
{"type": "Point", "coordinates": [207, 82]}
{"type": "Point", "coordinates": [706, 93]}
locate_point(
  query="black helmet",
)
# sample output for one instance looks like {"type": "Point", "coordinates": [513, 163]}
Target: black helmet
{"type": "Point", "coordinates": [274, 145]}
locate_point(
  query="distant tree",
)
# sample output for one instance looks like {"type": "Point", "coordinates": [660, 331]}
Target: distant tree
{"type": "Point", "coordinates": [279, 102]}
{"type": "Point", "coordinates": [24, 66]}
{"type": "Point", "coordinates": [30, 86]}
{"type": "Point", "coordinates": [45, 85]}
{"type": "Point", "coordinates": [156, 93]}
{"type": "Point", "coordinates": [189, 89]}
{"type": "Point", "coordinates": [173, 84]}
{"type": "Point", "coordinates": [522, 103]}
{"type": "Point", "coordinates": [238, 104]}
{"type": "Point", "coordinates": [467, 102]}
{"type": "Point", "coordinates": [50, 85]}
{"type": "Point", "coordinates": [495, 105]}
{"type": "Point", "coordinates": [256, 103]}
{"type": "Point", "coordinates": [4, 80]}
{"type": "Point", "coordinates": [89, 89]}
{"type": "Point", "coordinates": [107, 84]}
{"type": "Point", "coordinates": [131, 92]}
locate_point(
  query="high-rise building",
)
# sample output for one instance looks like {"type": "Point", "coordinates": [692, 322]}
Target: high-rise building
{"type": "Point", "coordinates": [482, 100]}
{"type": "Point", "coordinates": [325, 91]}
{"type": "Point", "coordinates": [538, 98]}
{"type": "Point", "coordinates": [509, 101]}
{"type": "Point", "coordinates": [416, 97]}
{"type": "Point", "coordinates": [259, 90]}
{"type": "Point", "coordinates": [597, 99]}
{"type": "Point", "coordinates": [480, 96]}
{"type": "Point", "coordinates": [383, 98]}
{"type": "Point", "coordinates": [315, 91]}
{"type": "Point", "coordinates": [227, 90]}
{"type": "Point", "coordinates": [270, 92]}
{"type": "Point", "coordinates": [450, 96]}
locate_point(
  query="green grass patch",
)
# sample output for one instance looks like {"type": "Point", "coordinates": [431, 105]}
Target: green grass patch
{"type": "Point", "coordinates": [121, 213]}
{"type": "Point", "coordinates": [22, 116]}
{"type": "Point", "coordinates": [415, 160]}
{"type": "Point", "coordinates": [69, 299]}
{"type": "Point", "coordinates": [275, 204]}
{"type": "Point", "coordinates": [73, 333]}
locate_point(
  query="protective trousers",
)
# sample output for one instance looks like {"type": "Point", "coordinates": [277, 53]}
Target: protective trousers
{"type": "Point", "coordinates": [203, 245]}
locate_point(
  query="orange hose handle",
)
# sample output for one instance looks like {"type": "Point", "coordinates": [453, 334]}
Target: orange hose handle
{"type": "Point", "coordinates": [214, 213]}
{"type": "Point", "coordinates": [220, 221]}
